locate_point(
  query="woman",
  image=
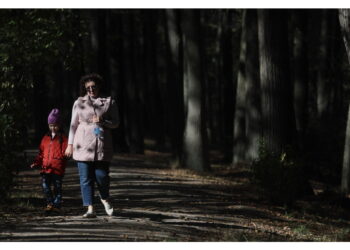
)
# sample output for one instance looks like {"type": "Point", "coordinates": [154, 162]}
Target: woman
{"type": "Point", "coordinates": [90, 141]}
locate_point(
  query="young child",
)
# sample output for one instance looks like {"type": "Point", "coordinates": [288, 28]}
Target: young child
{"type": "Point", "coordinates": [52, 160]}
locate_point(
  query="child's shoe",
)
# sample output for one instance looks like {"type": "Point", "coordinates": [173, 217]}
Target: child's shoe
{"type": "Point", "coordinates": [56, 209]}
{"type": "Point", "coordinates": [48, 208]}
{"type": "Point", "coordinates": [108, 207]}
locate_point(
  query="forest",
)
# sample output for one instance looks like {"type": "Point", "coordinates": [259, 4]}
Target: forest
{"type": "Point", "coordinates": [264, 88]}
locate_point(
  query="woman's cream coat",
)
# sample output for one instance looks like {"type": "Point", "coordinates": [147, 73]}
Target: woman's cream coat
{"type": "Point", "coordinates": [87, 146]}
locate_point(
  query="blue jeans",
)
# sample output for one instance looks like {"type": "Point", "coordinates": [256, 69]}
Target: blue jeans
{"type": "Point", "coordinates": [54, 198]}
{"type": "Point", "coordinates": [89, 173]}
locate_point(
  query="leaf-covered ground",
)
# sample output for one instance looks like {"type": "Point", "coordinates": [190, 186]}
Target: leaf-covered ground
{"type": "Point", "coordinates": [155, 203]}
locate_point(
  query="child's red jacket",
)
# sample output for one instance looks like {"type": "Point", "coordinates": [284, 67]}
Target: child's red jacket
{"type": "Point", "coordinates": [51, 155]}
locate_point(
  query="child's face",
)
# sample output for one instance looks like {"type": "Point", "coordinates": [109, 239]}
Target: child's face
{"type": "Point", "coordinates": [54, 128]}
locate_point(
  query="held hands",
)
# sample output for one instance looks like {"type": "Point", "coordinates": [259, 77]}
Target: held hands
{"type": "Point", "coordinates": [69, 151]}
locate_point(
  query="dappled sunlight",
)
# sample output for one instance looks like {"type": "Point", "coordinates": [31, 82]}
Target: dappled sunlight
{"type": "Point", "coordinates": [154, 204]}
{"type": "Point", "coordinates": [150, 205]}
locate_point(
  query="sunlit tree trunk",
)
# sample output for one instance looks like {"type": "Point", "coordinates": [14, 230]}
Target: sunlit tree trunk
{"type": "Point", "coordinates": [195, 148]}
{"type": "Point", "coordinates": [344, 20]}
{"type": "Point", "coordinates": [276, 92]}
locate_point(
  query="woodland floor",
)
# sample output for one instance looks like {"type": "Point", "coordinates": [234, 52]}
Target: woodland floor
{"type": "Point", "coordinates": [155, 203]}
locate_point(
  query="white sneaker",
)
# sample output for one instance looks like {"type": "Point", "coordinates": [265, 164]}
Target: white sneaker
{"type": "Point", "coordinates": [89, 215]}
{"type": "Point", "coordinates": [108, 207]}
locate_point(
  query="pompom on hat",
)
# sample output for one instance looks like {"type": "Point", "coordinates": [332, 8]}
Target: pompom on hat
{"type": "Point", "coordinates": [54, 117]}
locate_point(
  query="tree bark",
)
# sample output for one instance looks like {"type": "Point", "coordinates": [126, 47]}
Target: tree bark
{"type": "Point", "coordinates": [323, 86]}
{"type": "Point", "coordinates": [175, 86]}
{"type": "Point", "coordinates": [114, 49]}
{"type": "Point", "coordinates": [276, 93]}
{"type": "Point", "coordinates": [196, 152]}
{"type": "Point", "coordinates": [239, 130]}
{"type": "Point", "coordinates": [344, 20]}
{"type": "Point", "coordinates": [252, 102]}
{"type": "Point", "coordinates": [228, 83]}
{"type": "Point", "coordinates": [154, 94]}
{"type": "Point", "coordinates": [300, 73]}
{"type": "Point", "coordinates": [132, 105]}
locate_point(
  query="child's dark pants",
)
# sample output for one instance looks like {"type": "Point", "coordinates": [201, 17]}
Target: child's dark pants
{"type": "Point", "coordinates": [55, 197]}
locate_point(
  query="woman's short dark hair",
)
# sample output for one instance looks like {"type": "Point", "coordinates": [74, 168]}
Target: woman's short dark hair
{"type": "Point", "coordinates": [96, 78]}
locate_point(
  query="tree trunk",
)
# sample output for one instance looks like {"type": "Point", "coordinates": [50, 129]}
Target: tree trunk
{"type": "Point", "coordinates": [175, 86]}
{"type": "Point", "coordinates": [196, 154]}
{"type": "Point", "coordinates": [137, 54]}
{"type": "Point", "coordinates": [227, 86]}
{"type": "Point", "coordinates": [216, 84]}
{"type": "Point", "coordinates": [252, 103]}
{"type": "Point", "coordinates": [344, 20]}
{"type": "Point", "coordinates": [323, 86]}
{"type": "Point", "coordinates": [114, 54]}
{"type": "Point", "coordinates": [103, 53]}
{"type": "Point", "coordinates": [96, 46]}
{"type": "Point", "coordinates": [300, 73]}
{"type": "Point", "coordinates": [276, 92]}
{"type": "Point", "coordinates": [132, 107]}
{"type": "Point", "coordinates": [154, 95]}
{"type": "Point", "coordinates": [239, 131]}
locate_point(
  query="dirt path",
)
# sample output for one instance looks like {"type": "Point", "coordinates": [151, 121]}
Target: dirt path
{"type": "Point", "coordinates": [152, 204]}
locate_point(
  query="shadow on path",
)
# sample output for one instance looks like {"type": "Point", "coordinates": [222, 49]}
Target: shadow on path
{"type": "Point", "coordinates": [150, 204]}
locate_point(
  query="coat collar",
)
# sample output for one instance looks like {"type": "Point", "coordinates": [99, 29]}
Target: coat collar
{"type": "Point", "coordinates": [99, 101]}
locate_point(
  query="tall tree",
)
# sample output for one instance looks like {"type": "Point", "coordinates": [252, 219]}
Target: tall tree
{"type": "Point", "coordinates": [227, 85]}
{"type": "Point", "coordinates": [151, 80]}
{"type": "Point", "coordinates": [344, 20]}
{"type": "Point", "coordinates": [132, 104]}
{"type": "Point", "coordinates": [252, 100]}
{"type": "Point", "coordinates": [276, 93]}
{"type": "Point", "coordinates": [195, 139]}
{"type": "Point", "coordinates": [329, 126]}
{"type": "Point", "coordinates": [239, 129]}
{"type": "Point", "coordinates": [300, 72]}
{"type": "Point", "coordinates": [99, 38]}
{"type": "Point", "coordinates": [175, 86]}
{"type": "Point", "coordinates": [323, 86]}
{"type": "Point", "coordinates": [114, 54]}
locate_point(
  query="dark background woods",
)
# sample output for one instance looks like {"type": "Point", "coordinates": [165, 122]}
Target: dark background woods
{"type": "Point", "coordinates": [189, 82]}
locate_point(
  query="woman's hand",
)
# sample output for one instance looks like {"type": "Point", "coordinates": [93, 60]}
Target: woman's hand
{"type": "Point", "coordinates": [96, 119]}
{"type": "Point", "coordinates": [69, 151]}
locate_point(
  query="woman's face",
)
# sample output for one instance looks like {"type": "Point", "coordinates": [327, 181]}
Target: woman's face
{"type": "Point", "coordinates": [54, 128]}
{"type": "Point", "coordinates": [91, 89]}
